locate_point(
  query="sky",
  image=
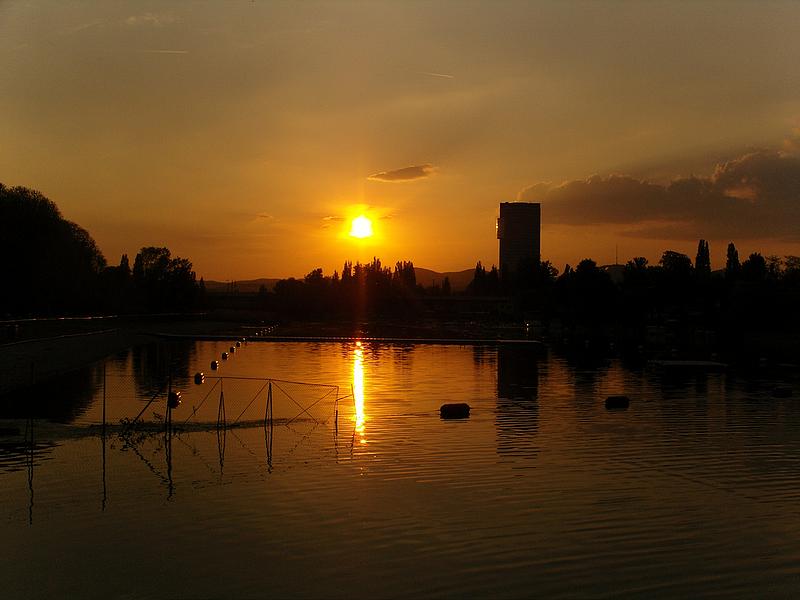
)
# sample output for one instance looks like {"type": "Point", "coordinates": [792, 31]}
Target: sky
{"type": "Point", "coordinates": [246, 135]}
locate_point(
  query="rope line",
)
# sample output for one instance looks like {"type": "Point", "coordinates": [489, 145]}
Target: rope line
{"type": "Point", "coordinates": [199, 406]}
{"type": "Point", "coordinates": [249, 404]}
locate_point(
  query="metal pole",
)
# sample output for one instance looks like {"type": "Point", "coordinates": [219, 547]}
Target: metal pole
{"type": "Point", "coordinates": [221, 409]}
{"type": "Point", "coordinates": [103, 439]}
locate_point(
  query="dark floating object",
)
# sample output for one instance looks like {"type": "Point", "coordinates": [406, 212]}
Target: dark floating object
{"type": "Point", "coordinates": [617, 402]}
{"type": "Point", "coordinates": [214, 365]}
{"type": "Point", "coordinates": [199, 377]}
{"type": "Point", "coordinates": [232, 349]}
{"type": "Point", "coordinates": [224, 356]}
{"type": "Point", "coordinates": [174, 399]}
{"type": "Point", "coordinates": [238, 344]}
{"type": "Point", "coordinates": [782, 391]}
{"type": "Point", "coordinates": [454, 411]}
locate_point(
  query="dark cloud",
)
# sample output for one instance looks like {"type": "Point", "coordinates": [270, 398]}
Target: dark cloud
{"type": "Point", "coordinates": [754, 196]}
{"type": "Point", "coordinates": [405, 174]}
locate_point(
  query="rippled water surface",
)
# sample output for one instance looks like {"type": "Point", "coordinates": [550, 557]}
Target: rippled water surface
{"type": "Point", "coordinates": [694, 490]}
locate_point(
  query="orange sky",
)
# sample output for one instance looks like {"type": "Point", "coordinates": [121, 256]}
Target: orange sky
{"type": "Point", "coordinates": [243, 135]}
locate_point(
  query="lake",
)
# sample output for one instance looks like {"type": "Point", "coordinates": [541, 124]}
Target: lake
{"type": "Point", "coordinates": [357, 488]}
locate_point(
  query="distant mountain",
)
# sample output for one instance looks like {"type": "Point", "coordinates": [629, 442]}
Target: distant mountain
{"type": "Point", "coordinates": [248, 286]}
{"type": "Point", "coordinates": [459, 280]}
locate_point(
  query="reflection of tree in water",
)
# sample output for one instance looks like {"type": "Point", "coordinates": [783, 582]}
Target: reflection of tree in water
{"type": "Point", "coordinates": [483, 355]}
{"type": "Point", "coordinates": [517, 417]}
{"type": "Point", "coordinates": [15, 455]}
{"type": "Point", "coordinates": [152, 365]}
{"type": "Point", "coordinates": [61, 399]}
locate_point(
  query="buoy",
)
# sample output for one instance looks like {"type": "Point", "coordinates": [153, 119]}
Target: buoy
{"type": "Point", "coordinates": [224, 356]}
{"type": "Point", "coordinates": [617, 402]}
{"type": "Point", "coordinates": [174, 399]}
{"type": "Point", "coordinates": [232, 349]}
{"type": "Point", "coordinates": [238, 344]}
{"type": "Point", "coordinates": [199, 377]}
{"type": "Point", "coordinates": [782, 391]}
{"type": "Point", "coordinates": [214, 365]}
{"type": "Point", "coordinates": [454, 411]}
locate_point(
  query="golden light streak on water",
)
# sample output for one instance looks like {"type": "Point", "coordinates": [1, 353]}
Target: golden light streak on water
{"type": "Point", "coordinates": [358, 389]}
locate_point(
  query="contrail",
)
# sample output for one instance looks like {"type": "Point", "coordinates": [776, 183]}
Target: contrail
{"type": "Point", "coordinates": [165, 51]}
{"type": "Point", "coordinates": [445, 76]}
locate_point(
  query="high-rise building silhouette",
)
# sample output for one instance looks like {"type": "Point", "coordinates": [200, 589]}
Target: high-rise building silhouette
{"type": "Point", "coordinates": [519, 232]}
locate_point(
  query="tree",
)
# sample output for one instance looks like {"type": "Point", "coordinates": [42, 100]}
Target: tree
{"type": "Point", "coordinates": [702, 263]}
{"type": "Point", "coordinates": [635, 272]}
{"type": "Point", "coordinates": [732, 265]}
{"type": "Point", "coordinates": [163, 282]}
{"type": "Point", "coordinates": [774, 267]}
{"type": "Point", "coordinates": [754, 268]}
{"type": "Point", "coordinates": [676, 263]}
{"type": "Point", "coordinates": [124, 266]}
{"type": "Point", "coordinates": [478, 284]}
{"type": "Point", "coordinates": [50, 265]}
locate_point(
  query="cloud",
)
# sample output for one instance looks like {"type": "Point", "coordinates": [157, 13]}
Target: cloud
{"type": "Point", "coordinates": [330, 219]}
{"type": "Point", "coordinates": [151, 20]}
{"type": "Point", "coordinates": [404, 174]}
{"type": "Point", "coordinates": [756, 195]}
{"type": "Point", "coordinates": [85, 26]}
{"type": "Point", "coordinates": [441, 75]}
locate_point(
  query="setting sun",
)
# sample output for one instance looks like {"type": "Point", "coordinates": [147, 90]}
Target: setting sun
{"type": "Point", "coordinates": [361, 227]}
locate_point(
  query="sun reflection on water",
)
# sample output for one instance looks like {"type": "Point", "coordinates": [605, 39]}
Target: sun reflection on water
{"type": "Point", "coordinates": [358, 389]}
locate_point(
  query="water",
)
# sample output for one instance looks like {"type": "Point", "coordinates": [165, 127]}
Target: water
{"type": "Point", "coordinates": [694, 490]}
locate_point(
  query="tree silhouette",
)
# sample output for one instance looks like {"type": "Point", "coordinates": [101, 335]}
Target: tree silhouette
{"type": "Point", "coordinates": [754, 268]}
{"type": "Point", "coordinates": [702, 263]}
{"type": "Point", "coordinates": [50, 265]}
{"type": "Point", "coordinates": [163, 282]}
{"type": "Point", "coordinates": [732, 265]}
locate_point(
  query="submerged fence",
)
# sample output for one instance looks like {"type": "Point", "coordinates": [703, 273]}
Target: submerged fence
{"type": "Point", "coordinates": [230, 401]}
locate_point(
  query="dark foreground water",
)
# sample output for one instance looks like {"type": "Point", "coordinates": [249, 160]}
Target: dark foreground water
{"type": "Point", "coordinates": [693, 491]}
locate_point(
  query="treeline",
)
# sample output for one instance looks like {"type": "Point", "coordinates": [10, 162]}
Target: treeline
{"type": "Point", "coordinates": [758, 294]}
{"type": "Point", "coordinates": [362, 290]}
{"type": "Point", "coordinates": [51, 266]}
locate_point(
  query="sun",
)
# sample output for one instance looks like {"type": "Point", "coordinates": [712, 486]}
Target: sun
{"type": "Point", "coordinates": [361, 227]}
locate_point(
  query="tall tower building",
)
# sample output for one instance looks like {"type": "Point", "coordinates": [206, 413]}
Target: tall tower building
{"type": "Point", "coordinates": [519, 231]}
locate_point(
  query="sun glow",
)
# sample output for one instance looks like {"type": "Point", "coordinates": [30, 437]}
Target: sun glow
{"type": "Point", "coordinates": [361, 227]}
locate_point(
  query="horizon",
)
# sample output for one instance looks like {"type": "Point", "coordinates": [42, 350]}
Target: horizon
{"type": "Point", "coordinates": [247, 138]}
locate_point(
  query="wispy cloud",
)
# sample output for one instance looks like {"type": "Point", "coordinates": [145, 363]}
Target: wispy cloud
{"type": "Point", "coordinates": [84, 26]}
{"type": "Point", "coordinates": [404, 174]}
{"type": "Point", "coordinates": [328, 220]}
{"type": "Point", "coordinates": [165, 51]}
{"type": "Point", "coordinates": [441, 75]}
{"type": "Point", "coordinates": [151, 20]}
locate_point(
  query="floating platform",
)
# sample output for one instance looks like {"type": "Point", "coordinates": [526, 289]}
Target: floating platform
{"type": "Point", "coordinates": [707, 365]}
